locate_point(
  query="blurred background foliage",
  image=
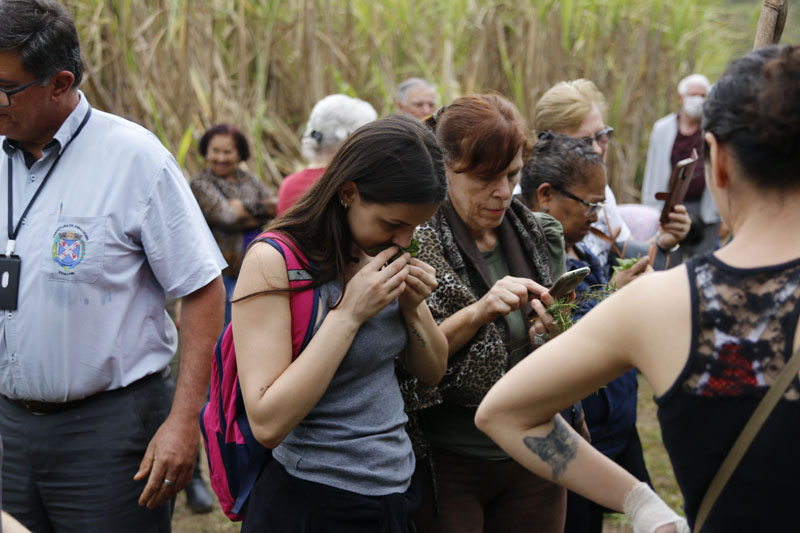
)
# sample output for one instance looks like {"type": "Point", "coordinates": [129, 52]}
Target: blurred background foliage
{"type": "Point", "coordinates": [180, 66]}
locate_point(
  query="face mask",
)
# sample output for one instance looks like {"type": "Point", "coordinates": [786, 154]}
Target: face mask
{"type": "Point", "coordinates": [693, 106]}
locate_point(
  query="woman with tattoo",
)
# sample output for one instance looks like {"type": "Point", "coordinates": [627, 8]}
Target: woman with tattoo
{"type": "Point", "coordinates": [493, 258]}
{"type": "Point", "coordinates": [710, 336]}
{"type": "Point", "coordinates": [334, 416]}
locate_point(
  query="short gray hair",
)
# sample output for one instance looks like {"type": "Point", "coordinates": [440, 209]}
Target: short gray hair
{"type": "Point", "coordinates": [693, 79]}
{"type": "Point", "coordinates": [44, 36]}
{"type": "Point", "coordinates": [332, 120]}
{"type": "Point", "coordinates": [405, 86]}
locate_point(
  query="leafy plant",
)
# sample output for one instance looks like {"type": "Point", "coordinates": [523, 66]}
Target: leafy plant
{"type": "Point", "coordinates": [624, 263]}
{"type": "Point", "coordinates": [412, 249]}
{"type": "Point", "coordinates": [562, 309]}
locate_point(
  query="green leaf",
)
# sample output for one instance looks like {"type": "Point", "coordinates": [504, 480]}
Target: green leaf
{"type": "Point", "coordinates": [413, 249]}
{"type": "Point", "coordinates": [624, 263]}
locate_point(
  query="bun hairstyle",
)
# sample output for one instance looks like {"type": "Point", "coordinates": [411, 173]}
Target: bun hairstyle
{"type": "Point", "coordinates": [754, 109]}
{"type": "Point", "coordinates": [479, 134]}
{"type": "Point", "coordinates": [558, 160]}
{"type": "Point", "coordinates": [331, 121]}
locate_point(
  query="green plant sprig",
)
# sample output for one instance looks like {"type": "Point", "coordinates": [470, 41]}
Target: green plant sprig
{"type": "Point", "coordinates": [561, 310]}
{"type": "Point", "coordinates": [624, 263]}
{"type": "Point", "coordinates": [412, 249]}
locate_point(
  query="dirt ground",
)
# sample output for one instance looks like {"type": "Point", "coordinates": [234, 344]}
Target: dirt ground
{"type": "Point", "coordinates": [655, 456]}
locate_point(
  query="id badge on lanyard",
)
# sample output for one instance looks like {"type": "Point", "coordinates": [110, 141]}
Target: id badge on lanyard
{"type": "Point", "coordinates": [9, 281]}
{"type": "Point", "coordinates": [10, 264]}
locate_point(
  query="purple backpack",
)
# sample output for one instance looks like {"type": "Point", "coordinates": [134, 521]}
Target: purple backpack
{"type": "Point", "coordinates": [235, 457]}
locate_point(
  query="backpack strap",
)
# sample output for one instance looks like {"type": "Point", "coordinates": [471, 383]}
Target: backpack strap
{"type": "Point", "coordinates": [303, 306]}
{"type": "Point", "coordinates": [303, 303]}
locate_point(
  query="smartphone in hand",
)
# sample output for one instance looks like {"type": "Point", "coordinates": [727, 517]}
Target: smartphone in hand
{"type": "Point", "coordinates": [567, 282]}
{"type": "Point", "coordinates": [678, 185]}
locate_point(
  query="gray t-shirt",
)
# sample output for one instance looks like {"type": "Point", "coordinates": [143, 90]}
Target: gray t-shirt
{"type": "Point", "coordinates": [354, 438]}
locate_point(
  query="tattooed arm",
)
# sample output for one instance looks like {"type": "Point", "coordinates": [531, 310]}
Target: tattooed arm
{"type": "Point", "coordinates": [578, 466]}
{"type": "Point", "coordinates": [519, 412]}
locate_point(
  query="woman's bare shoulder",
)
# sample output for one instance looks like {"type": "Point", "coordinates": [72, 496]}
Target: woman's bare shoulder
{"type": "Point", "coordinates": [656, 323]}
{"type": "Point", "coordinates": [263, 269]}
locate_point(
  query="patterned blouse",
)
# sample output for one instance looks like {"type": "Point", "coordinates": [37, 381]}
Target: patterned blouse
{"type": "Point", "coordinates": [213, 194]}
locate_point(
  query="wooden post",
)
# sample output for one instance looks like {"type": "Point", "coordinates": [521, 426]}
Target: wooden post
{"type": "Point", "coordinates": [771, 22]}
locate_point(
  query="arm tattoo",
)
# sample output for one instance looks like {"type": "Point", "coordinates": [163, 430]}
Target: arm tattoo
{"type": "Point", "coordinates": [557, 449]}
{"type": "Point", "coordinates": [417, 335]}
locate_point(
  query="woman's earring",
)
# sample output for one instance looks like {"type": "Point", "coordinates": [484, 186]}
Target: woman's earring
{"type": "Point", "coordinates": [344, 204]}
{"type": "Point", "coordinates": [544, 209]}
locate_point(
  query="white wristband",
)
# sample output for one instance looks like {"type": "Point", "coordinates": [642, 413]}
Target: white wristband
{"type": "Point", "coordinates": [647, 512]}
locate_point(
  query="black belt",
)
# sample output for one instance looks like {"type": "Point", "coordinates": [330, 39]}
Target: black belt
{"type": "Point", "coordinates": [51, 408]}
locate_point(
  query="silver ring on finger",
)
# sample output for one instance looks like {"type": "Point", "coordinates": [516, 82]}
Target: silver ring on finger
{"type": "Point", "coordinates": [168, 482]}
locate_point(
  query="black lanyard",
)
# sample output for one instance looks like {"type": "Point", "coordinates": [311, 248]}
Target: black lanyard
{"type": "Point", "coordinates": [12, 230]}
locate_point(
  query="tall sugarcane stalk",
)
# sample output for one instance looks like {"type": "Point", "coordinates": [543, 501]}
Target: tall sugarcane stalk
{"type": "Point", "coordinates": [771, 22]}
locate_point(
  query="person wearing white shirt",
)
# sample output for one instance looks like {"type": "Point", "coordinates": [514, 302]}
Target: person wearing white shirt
{"type": "Point", "coordinates": [102, 227]}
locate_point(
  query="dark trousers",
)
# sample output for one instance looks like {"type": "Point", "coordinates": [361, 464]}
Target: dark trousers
{"type": "Point", "coordinates": [702, 237]}
{"type": "Point", "coordinates": [73, 470]}
{"type": "Point", "coordinates": [474, 495]}
{"type": "Point", "coordinates": [282, 503]}
{"type": "Point", "coordinates": [585, 516]}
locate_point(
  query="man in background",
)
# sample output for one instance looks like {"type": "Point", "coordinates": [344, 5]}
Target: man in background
{"type": "Point", "coordinates": [102, 227]}
{"type": "Point", "coordinates": [416, 97]}
{"type": "Point", "coordinates": [673, 138]}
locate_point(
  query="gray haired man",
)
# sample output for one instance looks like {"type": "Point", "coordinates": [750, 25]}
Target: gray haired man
{"type": "Point", "coordinates": [416, 97]}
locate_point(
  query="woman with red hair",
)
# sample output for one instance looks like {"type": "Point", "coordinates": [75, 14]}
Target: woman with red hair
{"type": "Point", "coordinates": [493, 259]}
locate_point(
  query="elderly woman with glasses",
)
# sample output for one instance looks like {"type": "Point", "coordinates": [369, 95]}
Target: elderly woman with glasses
{"type": "Point", "coordinates": [577, 109]}
{"type": "Point", "coordinates": [566, 178]}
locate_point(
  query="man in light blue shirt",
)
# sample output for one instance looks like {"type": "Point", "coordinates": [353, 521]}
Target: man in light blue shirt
{"type": "Point", "coordinates": [101, 227]}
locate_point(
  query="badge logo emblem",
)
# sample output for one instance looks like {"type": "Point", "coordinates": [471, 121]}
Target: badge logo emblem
{"type": "Point", "coordinates": [69, 249]}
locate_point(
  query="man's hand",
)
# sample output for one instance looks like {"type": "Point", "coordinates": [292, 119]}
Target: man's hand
{"type": "Point", "coordinates": [169, 459]}
{"type": "Point", "coordinates": [168, 463]}
{"type": "Point", "coordinates": [675, 230]}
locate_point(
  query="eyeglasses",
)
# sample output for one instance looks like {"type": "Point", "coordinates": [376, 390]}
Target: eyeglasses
{"type": "Point", "coordinates": [591, 207]}
{"type": "Point", "coordinates": [5, 94]}
{"type": "Point", "coordinates": [602, 137]}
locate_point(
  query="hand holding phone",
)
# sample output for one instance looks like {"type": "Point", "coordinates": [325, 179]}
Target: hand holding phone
{"type": "Point", "coordinates": [567, 282]}
{"type": "Point", "coordinates": [678, 185]}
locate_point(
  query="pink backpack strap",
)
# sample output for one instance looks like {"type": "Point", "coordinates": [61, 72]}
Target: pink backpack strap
{"type": "Point", "coordinates": [303, 303]}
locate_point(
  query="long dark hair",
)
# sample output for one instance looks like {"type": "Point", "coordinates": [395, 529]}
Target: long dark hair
{"type": "Point", "coordinates": [754, 109]}
{"type": "Point", "coordinates": [392, 160]}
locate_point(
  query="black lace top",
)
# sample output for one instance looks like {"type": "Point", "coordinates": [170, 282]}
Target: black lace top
{"type": "Point", "coordinates": [746, 321]}
{"type": "Point", "coordinates": [743, 327]}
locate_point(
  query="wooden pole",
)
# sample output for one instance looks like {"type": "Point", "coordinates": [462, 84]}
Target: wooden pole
{"type": "Point", "coordinates": [771, 22]}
